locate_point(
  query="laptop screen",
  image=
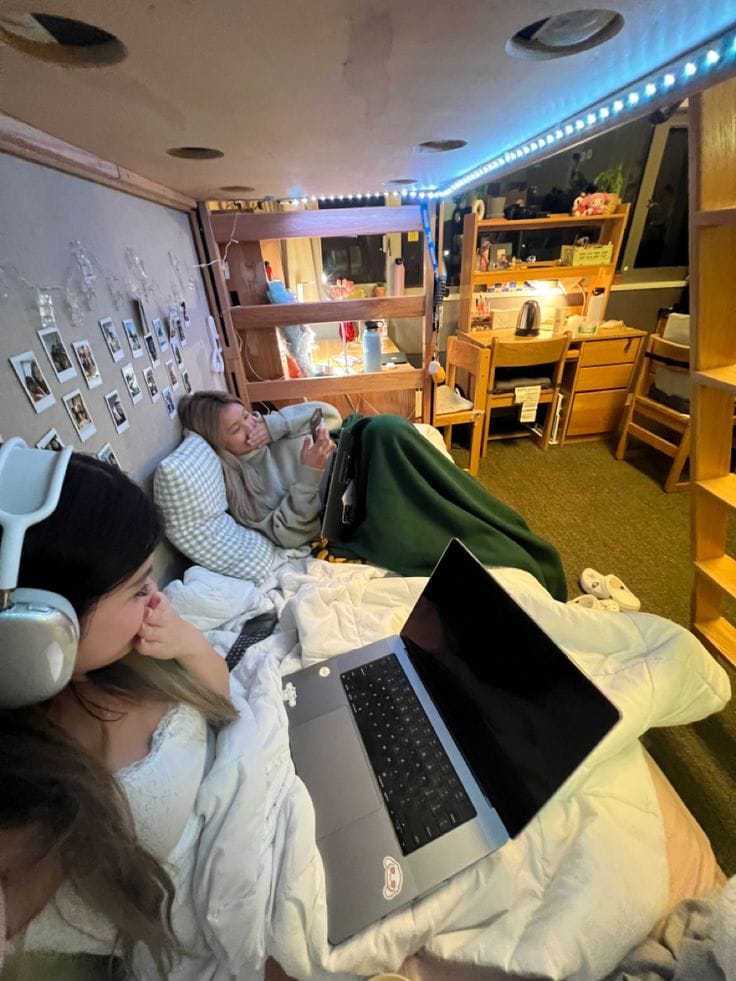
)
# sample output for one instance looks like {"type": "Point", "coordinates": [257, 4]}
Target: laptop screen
{"type": "Point", "coordinates": [522, 714]}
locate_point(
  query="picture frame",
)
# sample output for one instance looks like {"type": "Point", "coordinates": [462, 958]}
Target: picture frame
{"type": "Point", "coordinates": [33, 381]}
{"type": "Point", "coordinates": [131, 383]}
{"type": "Point", "coordinates": [172, 325]}
{"type": "Point", "coordinates": [152, 350]}
{"type": "Point", "coordinates": [169, 403]}
{"type": "Point", "coordinates": [117, 412]}
{"type": "Point", "coordinates": [501, 254]}
{"type": "Point", "coordinates": [107, 454]}
{"type": "Point", "coordinates": [151, 384]}
{"type": "Point", "coordinates": [87, 363]}
{"type": "Point", "coordinates": [135, 341]}
{"type": "Point", "coordinates": [51, 441]}
{"type": "Point", "coordinates": [158, 328]}
{"type": "Point", "coordinates": [57, 353]}
{"type": "Point", "coordinates": [79, 414]}
{"type": "Point", "coordinates": [110, 334]}
{"type": "Point", "coordinates": [171, 372]}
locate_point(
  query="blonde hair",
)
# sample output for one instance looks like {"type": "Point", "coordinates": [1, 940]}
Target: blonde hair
{"type": "Point", "coordinates": [200, 413]}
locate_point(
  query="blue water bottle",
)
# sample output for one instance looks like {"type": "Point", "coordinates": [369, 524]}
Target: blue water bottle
{"type": "Point", "coordinates": [371, 346]}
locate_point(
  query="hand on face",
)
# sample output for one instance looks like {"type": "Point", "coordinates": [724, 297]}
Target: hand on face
{"type": "Point", "coordinates": [164, 634]}
{"type": "Point", "coordinates": [257, 434]}
{"type": "Point", "coordinates": [316, 454]}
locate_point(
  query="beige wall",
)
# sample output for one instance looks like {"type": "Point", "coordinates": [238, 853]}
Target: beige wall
{"type": "Point", "coordinates": [133, 247]}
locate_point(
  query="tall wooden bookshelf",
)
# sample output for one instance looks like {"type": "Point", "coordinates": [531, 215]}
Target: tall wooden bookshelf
{"type": "Point", "coordinates": [248, 327]}
{"type": "Point", "coordinates": [713, 364]}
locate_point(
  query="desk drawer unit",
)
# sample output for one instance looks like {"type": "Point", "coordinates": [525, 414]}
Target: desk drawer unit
{"type": "Point", "coordinates": [597, 387]}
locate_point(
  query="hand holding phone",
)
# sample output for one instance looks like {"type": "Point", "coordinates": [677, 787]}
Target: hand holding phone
{"type": "Point", "coordinates": [314, 423]}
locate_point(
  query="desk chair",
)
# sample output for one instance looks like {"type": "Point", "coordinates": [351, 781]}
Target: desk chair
{"type": "Point", "coordinates": [524, 362]}
{"type": "Point", "coordinates": [654, 416]}
{"type": "Point", "coordinates": [474, 361]}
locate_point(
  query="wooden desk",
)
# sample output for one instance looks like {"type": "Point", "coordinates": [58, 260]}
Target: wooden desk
{"type": "Point", "coordinates": [598, 373]}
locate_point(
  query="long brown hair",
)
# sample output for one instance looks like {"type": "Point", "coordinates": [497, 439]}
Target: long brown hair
{"type": "Point", "coordinates": [55, 788]}
{"type": "Point", "coordinates": [200, 413]}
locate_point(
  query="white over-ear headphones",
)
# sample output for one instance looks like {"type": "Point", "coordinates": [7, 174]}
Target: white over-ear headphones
{"type": "Point", "coordinates": [39, 631]}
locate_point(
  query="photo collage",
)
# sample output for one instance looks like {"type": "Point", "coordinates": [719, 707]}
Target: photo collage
{"type": "Point", "coordinates": [110, 360]}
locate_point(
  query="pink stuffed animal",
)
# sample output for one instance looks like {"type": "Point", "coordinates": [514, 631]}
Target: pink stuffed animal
{"type": "Point", "coordinates": [598, 203]}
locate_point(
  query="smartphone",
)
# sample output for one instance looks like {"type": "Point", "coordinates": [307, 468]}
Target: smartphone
{"type": "Point", "coordinates": [314, 423]}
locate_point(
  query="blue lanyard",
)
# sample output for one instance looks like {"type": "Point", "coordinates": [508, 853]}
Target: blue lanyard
{"type": "Point", "coordinates": [440, 279]}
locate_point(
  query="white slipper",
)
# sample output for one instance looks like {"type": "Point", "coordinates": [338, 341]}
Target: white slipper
{"type": "Point", "coordinates": [608, 587]}
{"type": "Point", "coordinates": [590, 602]}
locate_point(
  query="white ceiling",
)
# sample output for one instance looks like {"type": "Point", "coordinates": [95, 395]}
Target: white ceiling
{"type": "Point", "coordinates": [327, 97]}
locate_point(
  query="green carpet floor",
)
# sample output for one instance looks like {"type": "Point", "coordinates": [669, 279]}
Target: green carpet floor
{"type": "Point", "coordinates": [615, 517]}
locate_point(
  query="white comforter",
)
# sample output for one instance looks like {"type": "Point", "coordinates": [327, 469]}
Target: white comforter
{"type": "Point", "coordinates": [566, 899]}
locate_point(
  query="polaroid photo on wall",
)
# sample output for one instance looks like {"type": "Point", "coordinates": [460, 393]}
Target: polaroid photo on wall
{"type": "Point", "coordinates": [107, 454]}
{"type": "Point", "coordinates": [169, 403]}
{"type": "Point", "coordinates": [87, 363]}
{"type": "Point", "coordinates": [171, 321]}
{"type": "Point", "coordinates": [176, 347]}
{"type": "Point", "coordinates": [171, 372]}
{"type": "Point", "coordinates": [109, 332]}
{"type": "Point", "coordinates": [79, 415]}
{"type": "Point", "coordinates": [51, 441]}
{"type": "Point", "coordinates": [57, 353]}
{"type": "Point", "coordinates": [161, 337]}
{"type": "Point", "coordinates": [151, 384]}
{"type": "Point", "coordinates": [186, 382]}
{"type": "Point", "coordinates": [151, 348]}
{"type": "Point", "coordinates": [117, 411]}
{"type": "Point", "coordinates": [180, 331]}
{"type": "Point", "coordinates": [184, 315]}
{"type": "Point", "coordinates": [33, 380]}
{"type": "Point", "coordinates": [134, 338]}
{"type": "Point", "coordinates": [131, 383]}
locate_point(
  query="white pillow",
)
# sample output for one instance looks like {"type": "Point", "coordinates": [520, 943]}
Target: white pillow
{"type": "Point", "coordinates": [189, 489]}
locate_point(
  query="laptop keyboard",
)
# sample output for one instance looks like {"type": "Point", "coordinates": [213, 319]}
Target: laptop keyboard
{"type": "Point", "coordinates": [423, 793]}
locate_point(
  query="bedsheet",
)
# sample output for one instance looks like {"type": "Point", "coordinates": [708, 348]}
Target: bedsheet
{"type": "Point", "coordinates": [567, 898]}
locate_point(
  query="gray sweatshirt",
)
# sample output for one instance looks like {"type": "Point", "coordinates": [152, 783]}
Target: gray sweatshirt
{"type": "Point", "coordinates": [290, 489]}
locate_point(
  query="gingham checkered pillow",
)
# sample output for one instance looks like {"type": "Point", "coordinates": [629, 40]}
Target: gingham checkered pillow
{"type": "Point", "coordinates": [189, 489]}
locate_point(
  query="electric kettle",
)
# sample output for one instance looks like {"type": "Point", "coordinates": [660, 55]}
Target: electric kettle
{"type": "Point", "coordinates": [530, 317]}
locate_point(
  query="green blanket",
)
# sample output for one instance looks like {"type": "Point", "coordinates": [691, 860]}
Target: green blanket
{"type": "Point", "coordinates": [412, 500]}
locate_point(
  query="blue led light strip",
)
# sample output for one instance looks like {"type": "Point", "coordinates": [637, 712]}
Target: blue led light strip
{"type": "Point", "coordinates": [713, 60]}
{"type": "Point", "coordinates": [679, 78]}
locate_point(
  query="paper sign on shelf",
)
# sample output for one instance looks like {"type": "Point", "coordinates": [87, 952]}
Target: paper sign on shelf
{"type": "Point", "coordinates": [528, 396]}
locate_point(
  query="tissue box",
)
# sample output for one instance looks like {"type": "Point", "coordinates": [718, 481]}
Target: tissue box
{"type": "Point", "coordinates": [586, 255]}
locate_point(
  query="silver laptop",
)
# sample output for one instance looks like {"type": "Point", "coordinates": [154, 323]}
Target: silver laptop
{"type": "Point", "coordinates": [425, 752]}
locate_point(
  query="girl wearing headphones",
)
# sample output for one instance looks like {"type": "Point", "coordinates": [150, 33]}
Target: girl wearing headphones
{"type": "Point", "coordinates": [99, 782]}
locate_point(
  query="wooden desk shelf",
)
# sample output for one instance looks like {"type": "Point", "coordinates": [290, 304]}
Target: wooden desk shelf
{"type": "Point", "coordinates": [611, 229]}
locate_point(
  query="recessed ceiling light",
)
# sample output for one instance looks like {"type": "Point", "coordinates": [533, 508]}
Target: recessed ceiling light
{"type": "Point", "coordinates": [439, 146]}
{"type": "Point", "coordinates": [61, 40]}
{"type": "Point", "coordinates": [195, 152]}
{"type": "Point", "coordinates": [565, 34]}
{"type": "Point", "coordinates": [237, 189]}
{"type": "Point", "coordinates": [402, 180]}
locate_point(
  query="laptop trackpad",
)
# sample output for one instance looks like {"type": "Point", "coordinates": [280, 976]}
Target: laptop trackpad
{"type": "Point", "coordinates": [329, 758]}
